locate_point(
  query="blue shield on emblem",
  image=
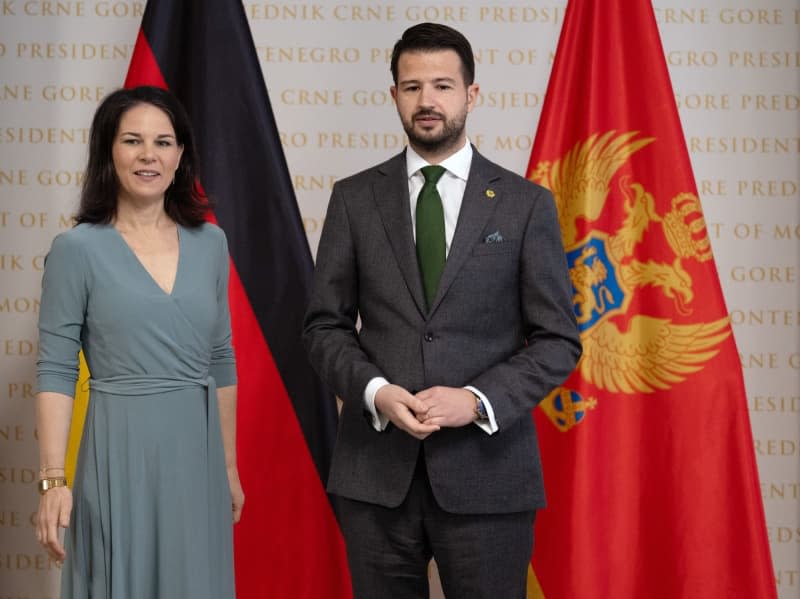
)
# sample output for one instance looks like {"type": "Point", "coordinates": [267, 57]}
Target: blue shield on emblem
{"type": "Point", "coordinates": [595, 282]}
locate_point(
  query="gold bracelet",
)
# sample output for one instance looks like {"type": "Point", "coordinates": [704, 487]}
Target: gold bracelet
{"type": "Point", "coordinates": [45, 469]}
{"type": "Point", "coordinates": [45, 484]}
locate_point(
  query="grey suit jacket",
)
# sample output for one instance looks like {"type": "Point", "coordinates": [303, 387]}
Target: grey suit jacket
{"type": "Point", "coordinates": [501, 321]}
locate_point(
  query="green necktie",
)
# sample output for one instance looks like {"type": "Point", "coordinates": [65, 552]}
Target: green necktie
{"type": "Point", "coordinates": [430, 231]}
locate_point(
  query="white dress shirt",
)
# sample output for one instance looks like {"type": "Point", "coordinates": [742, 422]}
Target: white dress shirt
{"type": "Point", "coordinates": [451, 189]}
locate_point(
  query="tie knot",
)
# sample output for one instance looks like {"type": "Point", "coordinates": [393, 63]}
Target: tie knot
{"type": "Point", "coordinates": [432, 173]}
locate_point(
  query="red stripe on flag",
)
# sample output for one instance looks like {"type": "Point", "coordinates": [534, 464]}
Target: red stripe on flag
{"type": "Point", "coordinates": [144, 69]}
{"type": "Point", "coordinates": [286, 508]}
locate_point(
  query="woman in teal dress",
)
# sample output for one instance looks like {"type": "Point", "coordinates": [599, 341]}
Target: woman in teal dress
{"type": "Point", "coordinates": [140, 284]}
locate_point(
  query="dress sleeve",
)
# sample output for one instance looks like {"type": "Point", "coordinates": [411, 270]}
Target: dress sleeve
{"type": "Point", "coordinates": [223, 363]}
{"type": "Point", "coordinates": [62, 313]}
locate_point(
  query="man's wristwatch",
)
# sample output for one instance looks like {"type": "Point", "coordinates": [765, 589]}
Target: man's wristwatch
{"type": "Point", "coordinates": [45, 484]}
{"type": "Point", "coordinates": [480, 409]}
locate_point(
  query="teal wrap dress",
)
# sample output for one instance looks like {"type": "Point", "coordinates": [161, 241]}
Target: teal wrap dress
{"type": "Point", "coordinates": [152, 508]}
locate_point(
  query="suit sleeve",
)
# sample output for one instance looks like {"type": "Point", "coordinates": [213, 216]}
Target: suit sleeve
{"type": "Point", "coordinates": [329, 332]}
{"type": "Point", "coordinates": [552, 341]}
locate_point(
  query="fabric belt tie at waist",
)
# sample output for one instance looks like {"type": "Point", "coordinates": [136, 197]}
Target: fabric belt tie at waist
{"type": "Point", "coordinates": [148, 385]}
{"type": "Point", "coordinates": [132, 385]}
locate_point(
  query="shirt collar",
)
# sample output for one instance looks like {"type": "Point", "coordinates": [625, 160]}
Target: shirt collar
{"type": "Point", "coordinates": [458, 164]}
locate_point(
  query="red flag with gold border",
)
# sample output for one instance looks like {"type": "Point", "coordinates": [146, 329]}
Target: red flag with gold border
{"type": "Point", "coordinates": [648, 456]}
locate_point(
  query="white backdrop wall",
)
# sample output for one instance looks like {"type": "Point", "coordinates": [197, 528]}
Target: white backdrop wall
{"type": "Point", "coordinates": [735, 68]}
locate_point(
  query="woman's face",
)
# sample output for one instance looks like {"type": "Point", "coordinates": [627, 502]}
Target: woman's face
{"type": "Point", "coordinates": [146, 154]}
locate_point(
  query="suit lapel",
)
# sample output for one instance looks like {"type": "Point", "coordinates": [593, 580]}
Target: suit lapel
{"type": "Point", "coordinates": [391, 197]}
{"type": "Point", "coordinates": [476, 208]}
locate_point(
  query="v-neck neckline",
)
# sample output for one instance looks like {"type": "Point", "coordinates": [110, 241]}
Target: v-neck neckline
{"type": "Point", "coordinates": [143, 268]}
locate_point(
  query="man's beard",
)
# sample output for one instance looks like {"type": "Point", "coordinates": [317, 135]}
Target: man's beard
{"type": "Point", "coordinates": [439, 142]}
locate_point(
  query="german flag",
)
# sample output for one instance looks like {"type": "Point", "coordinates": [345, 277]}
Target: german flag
{"type": "Point", "coordinates": [288, 543]}
{"type": "Point", "coordinates": [647, 449]}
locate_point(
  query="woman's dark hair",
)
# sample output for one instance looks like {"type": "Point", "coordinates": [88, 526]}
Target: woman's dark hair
{"type": "Point", "coordinates": [430, 37]}
{"type": "Point", "coordinates": [183, 202]}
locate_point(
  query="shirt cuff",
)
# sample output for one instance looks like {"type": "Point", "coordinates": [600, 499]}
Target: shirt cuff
{"type": "Point", "coordinates": [379, 421]}
{"type": "Point", "coordinates": [489, 426]}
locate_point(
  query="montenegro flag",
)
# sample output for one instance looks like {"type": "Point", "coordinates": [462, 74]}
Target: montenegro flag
{"type": "Point", "coordinates": [647, 449]}
{"type": "Point", "coordinates": [288, 542]}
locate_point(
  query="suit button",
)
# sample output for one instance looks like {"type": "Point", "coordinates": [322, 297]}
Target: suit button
{"type": "Point", "coordinates": [428, 336]}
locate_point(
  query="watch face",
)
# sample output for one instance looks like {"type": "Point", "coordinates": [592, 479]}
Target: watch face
{"type": "Point", "coordinates": [482, 410]}
{"type": "Point", "coordinates": [46, 484]}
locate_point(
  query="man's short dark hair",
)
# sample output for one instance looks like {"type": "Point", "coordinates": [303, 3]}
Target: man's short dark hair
{"type": "Point", "coordinates": [431, 37]}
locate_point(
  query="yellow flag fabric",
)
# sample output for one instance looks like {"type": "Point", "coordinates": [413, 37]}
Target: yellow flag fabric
{"type": "Point", "coordinates": [534, 590]}
{"type": "Point", "coordinates": [79, 407]}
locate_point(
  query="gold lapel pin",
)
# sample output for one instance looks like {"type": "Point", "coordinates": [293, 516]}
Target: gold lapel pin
{"type": "Point", "coordinates": [490, 193]}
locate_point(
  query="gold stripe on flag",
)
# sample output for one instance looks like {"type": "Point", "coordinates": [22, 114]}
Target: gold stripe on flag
{"type": "Point", "coordinates": [78, 416]}
{"type": "Point", "coordinates": [534, 589]}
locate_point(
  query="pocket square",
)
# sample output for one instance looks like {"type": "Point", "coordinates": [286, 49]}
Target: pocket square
{"type": "Point", "coordinates": [494, 238]}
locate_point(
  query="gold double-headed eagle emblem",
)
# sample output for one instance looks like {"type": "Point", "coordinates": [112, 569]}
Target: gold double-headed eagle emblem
{"type": "Point", "coordinates": [651, 353]}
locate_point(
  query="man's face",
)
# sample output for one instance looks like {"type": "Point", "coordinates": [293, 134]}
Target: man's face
{"type": "Point", "coordinates": [433, 101]}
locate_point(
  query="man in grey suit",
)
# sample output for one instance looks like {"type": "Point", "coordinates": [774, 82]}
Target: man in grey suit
{"type": "Point", "coordinates": [459, 278]}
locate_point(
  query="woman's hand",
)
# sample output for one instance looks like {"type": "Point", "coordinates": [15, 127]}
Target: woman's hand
{"type": "Point", "coordinates": [55, 507]}
{"type": "Point", "coordinates": [237, 494]}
